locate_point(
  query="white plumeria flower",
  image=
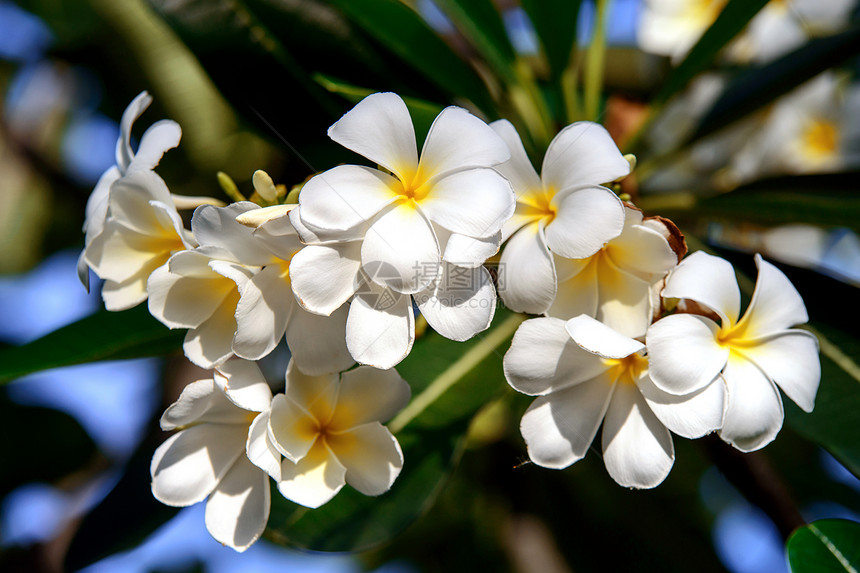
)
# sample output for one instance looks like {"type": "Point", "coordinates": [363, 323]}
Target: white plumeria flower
{"type": "Point", "coordinates": [584, 373]}
{"type": "Point", "coordinates": [618, 284]}
{"type": "Point", "coordinates": [672, 27]}
{"type": "Point", "coordinates": [234, 293]}
{"type": "Point", "coordinates": [752, 355]}
{"type": "Point", "coordinates": [810, 130]}
{"type": "Point", "coordinates": [564, 211]}
{"type": "Point", "coordinates": [142, 231]}
{"type": "Point", "coordinates": [221, 422]}
{"type": "Point", "coordinates": [158, 138]}
{"type": "Point", "coordinates": [425, 230]}
{"type": "Point", "coordinates": [329, 430]}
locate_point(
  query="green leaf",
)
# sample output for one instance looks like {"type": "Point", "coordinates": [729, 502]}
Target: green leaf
{"type": "Point", "coordinates": [450, 382]}
{"type": "Point", "coordinates": [757, 87]}
{"type": "Point", "coordinates": [728, 24]}
{"type": "Point", "coordinates": [482, 26]}
{"type": "Point", "coordinates": [423, 112]}
{"type": "Point", "coordinates": [402, 31]}
{"type": "Point", "coordinates": [555, 24]}
{"type": "Point", "coordinates": [827, 200]}
{"type": "Point", "coordinates": [825, 545]}
{"type": "Point", "coordinates": [53, 445]}
{"type": "Point", "coordinates": [102, 336]}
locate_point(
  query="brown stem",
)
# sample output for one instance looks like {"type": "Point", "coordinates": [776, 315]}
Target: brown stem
{"type": "Point", "coordinates": [754, 476]}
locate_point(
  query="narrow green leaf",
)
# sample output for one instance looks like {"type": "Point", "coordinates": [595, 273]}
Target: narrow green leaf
{"type": "Point", "coordinates": [594, 62]}
{"type": "Point", "coordinates": [728, 24]}
{"type": "Point", "coordinates": [555, 23]}
{"type": "Point", "coordinates": [402, 31]}
{"type": "Point", "coordinates": [450, 382]}
{"type": "Point", "coordinates": [102, 336]}
{"type": "Point", "coordinates": [757, 87]}
{"type": "Point", "coordinates": [481, 25]}
{"type": "Point", "coordinates": [825, 545]}
{"type": "Point", "coordinates": [423, 112]}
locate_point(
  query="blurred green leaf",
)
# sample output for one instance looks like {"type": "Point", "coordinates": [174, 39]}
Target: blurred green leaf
{"type": "Point", "coordinates": [423, 112]}
{"type": "Point", "coordinates": [125, 517]}
{"type": "Point", "coordinates": [450, 382]}
{"type": "Point", "coordinates": [555, 22]}
{"type": "Point", "coordinates": [825, 545]}
{"type": "Point", "coordinates": [757, 87]}
{"type": "Point", "coordinates": [728, 24]}
{"type": "Point", "coordinates": [53, 446]}
{"type": "Point", "coordinates": [402, 30]}
{"type": "Point", "coordinates": [481, 24]}
{"type": "Point", "coordinates": [828, 200]}
{"type": "Point", "coordinates": [102, 336]}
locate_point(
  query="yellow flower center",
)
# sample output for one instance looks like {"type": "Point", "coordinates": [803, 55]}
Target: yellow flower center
{"type": "Point", "coordinates": [821, 138]}
{"type": "Point", "coordinates": [538, 203]}
{"type": "Point", "coordinates": [628, 369]}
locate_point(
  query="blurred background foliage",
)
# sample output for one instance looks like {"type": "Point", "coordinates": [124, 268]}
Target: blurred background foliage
{"type": "Point", "coordinates": [746, 148]}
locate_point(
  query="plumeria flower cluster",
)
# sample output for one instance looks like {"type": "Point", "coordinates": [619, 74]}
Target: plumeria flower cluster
{"type": "Point", "coordinates": [341, 270]}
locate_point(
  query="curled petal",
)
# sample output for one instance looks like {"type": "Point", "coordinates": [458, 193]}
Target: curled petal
{"type": "Point", "coordinates": [346, 197]}
{"type": "Point", "coordinates": [380, 328]}
{"type": "Point", "coordinates": [683, 353]}
{"type": "Point", "coordinates": [161, 136]}
{"type": "Point", "coordinates": [192, 403]}
{"type": "Point", "coordinates": [260, 449]}
{"type": "Point", "coordinates": [637, 448]}
{"type": "Point", "coordinates": [211, 343]}
{"type": "Point", "coordinates": [544, 359]}
{"type": "Point", "coordinates": [466, 251]}
{"type": "Point", "coordinates": [690, 416]}
{"type": "Point", "coordinates": [265, 305]}
{"type": "Point", "coordinates": [324, 277]}
{"type": "Point", "coordinates": [597, 338]}
{"type": "Point", "coordinates": [243, 383]}
{"type": "Point", "coordinates": [217, 227]}
{"type": "Point", "coordinates": [790, 359]}
{"type": "Point", "coordinates": [775, 306]}
{"type": "Point", "coordinates": [460, 304]}
{"type": "Point", "coordinates": [124, 153]}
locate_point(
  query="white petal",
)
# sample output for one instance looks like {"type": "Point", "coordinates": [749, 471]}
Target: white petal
{"type": "Point", "coordinates": [558, 428]}
{"type": "Point", "coordinates": [526, 272]}
{"type": "Point", "coordinates": [637, 448]}
{"type": "Point", "coordinates": [642, 251]}
{"type": "Point", "coordinates": [211, 343]}
{"type": "Point", "coordinates": [312, 235]}
{"type": "Point", "coordinates": [790, 359]}
{"type": "Point", "coordinates": [244, 384]}
{"type": "Point", "coordinates": [97, 203]}
{"type": "Point", "coordinates": [135, 109]}
{"type": "Point", "coordinates": [260, 449]}
{"type": "Point", "coordinates": [597, 338]}
{"type": "Point", "coordinates": [578, 294]}
{"type": "Point", "coordinates": [314, 480]}
{"type": "Point", "coordinates": [192, 403]}
{"type": "Point", "coordinates": [459, 140]}
{"type": "Point", "coordinates": [543, 358]}
{"type": "Point", "coordinates": [624, 300]}
{"type": "Point", "coordinates": [518, 169]}
{"type": "Point", "coordinates": [265, 305]}
{"type": "Point", "coordinates": [125, 295]}
{"type": "Point", "coordinates": [754, 409]}
{"type": "Point", "coordinates": [683, 353]}
{"type": "Point", "coordinates": [238, 509]}
{"type": "Point", "coordinates": [217, 226]}
{"type": "Point", "coordinates": [583, 153]}
{"type": "Point", "coordinates": [128, 254]}
{"type": "Point", "coordinates": [466, 251]}
{"type": "Point", "coordinates": [130, 196]}
{"type": "Point", "coordinates": [474, 202]}
{"type": "Point", "coordinates": [775, 306]}
{"type": "Point", "coordinates": [188, 466]}
{"type": "Point", "coordinates": [186, 302]}
{"type": "Point", "coordinates": [380, 328]}
{"type": "Point", "coordinates": [586, 220]}
{"type": "Point", "coordinates": [400, 250]}
{"type": "Point", "coordinates": [161, 136]}
{"type": "Point", "coordinates": [323, 277]}
{"type": "Point", "coordinates": [256, 218]}
{"type": "Point", "coordinates": [708, 280]}
{"type": "Point", "coordinates": [292, 430]}
{"type": "Point", "coordinates": [460, 304]}
{"type": "Point", "coordinates": [318, 343]}
{"type": "Point", "coordinates": [371, 456]}
{"type": "Point", "coordinates": [369, 395]}
{"type": "Point", "coordinates": [346, 197]}
{"type": "Point", "coordinates": [315, 394]}
{"type": "Point", "coordinates": [692, 415]}
{"type": "Point", "coordinates": [380, 128]}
